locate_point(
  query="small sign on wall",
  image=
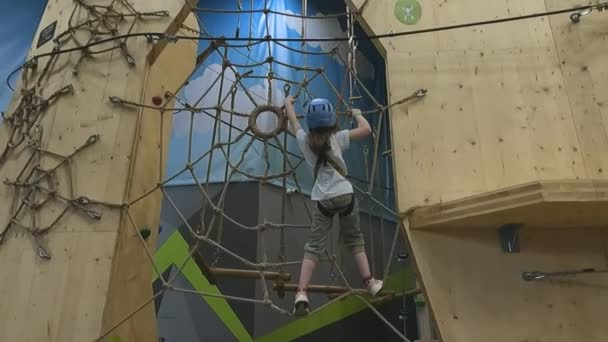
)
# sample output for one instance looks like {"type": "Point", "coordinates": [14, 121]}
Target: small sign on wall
{"type": "Point", "coordinates": [46, 34]}
{"type": "Point", "coordinates": [408, 12]}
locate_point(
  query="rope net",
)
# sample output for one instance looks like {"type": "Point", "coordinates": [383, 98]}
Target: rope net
{"type": "Point", "coordinates": [34, 188]}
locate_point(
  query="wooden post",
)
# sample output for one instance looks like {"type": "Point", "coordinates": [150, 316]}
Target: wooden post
{"type": "Point", "coordinates": [87, 276]}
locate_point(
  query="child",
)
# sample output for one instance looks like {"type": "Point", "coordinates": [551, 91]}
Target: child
{"type": "Point", "coordinates": [322, 148]}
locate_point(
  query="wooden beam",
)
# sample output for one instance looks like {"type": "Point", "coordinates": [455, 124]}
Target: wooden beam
{"type": "Point", "coordinates": [175, 25]}
{"type": "Point", "coordinates": [358, 11]}
{"type": "Point", "coordinates": [575, 203]}
{"type": "Point", "coordinates": [209, 50]}
{"type": "Point", "coordinates": [329, 289]}
{"type": "Point", "coordinates": [384, 296]}
{"type": "Point", "coordinates": [249, 274]}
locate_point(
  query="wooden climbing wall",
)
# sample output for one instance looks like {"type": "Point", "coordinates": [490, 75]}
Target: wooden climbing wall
{"type": "Point", "coordinates": [509, 98]}
{"type": "Point", "coordinates": [509, 104]}
{"type": "Point", "coordinates": [99, 272]}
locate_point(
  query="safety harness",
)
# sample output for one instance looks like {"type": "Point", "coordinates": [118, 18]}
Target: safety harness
{"type": "Point", "coordinates": [326, 212]}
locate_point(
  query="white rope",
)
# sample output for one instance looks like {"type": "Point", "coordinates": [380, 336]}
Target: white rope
{"type": "Point", "coordinates": [215, 208]}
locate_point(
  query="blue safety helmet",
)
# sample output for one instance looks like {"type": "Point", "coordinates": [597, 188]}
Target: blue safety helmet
{"type": "Point", "coordinates": [321, 114]}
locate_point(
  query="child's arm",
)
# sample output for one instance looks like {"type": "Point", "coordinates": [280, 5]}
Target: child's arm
{"type": "Point", "coordinates": [291, 115]}
{"type": "Point", "coordinates": [363, 128]}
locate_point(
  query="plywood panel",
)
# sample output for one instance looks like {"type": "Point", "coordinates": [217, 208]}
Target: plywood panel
{"type": "Point", "coordinates": [579, 203]}
{"type": "Point", "coordinates": [129, 287]}
{"type": "Point", "coordinates": [429, 145]}
{"type": "Point", "coordinates": [50, 296]}
{"type": "Point", "coordinates": [582, 50]}
{"type": "Point", "coordinates": [380, 18]}
{"type": "Point", "coordinates": [499, 88]}
{"type": "Point", "coordinates": [477, 292]}
{"type": "Point", "coordinates": [491, 121]}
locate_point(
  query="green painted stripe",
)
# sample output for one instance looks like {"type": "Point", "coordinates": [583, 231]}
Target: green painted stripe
{"type": "Point", "coordinates": [173, 252]}
{"type": "Point", "coordinates": [335, 311]}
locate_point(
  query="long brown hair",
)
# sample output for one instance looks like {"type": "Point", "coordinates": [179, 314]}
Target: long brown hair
{"type": "Point", "coordinates": [319, 141]}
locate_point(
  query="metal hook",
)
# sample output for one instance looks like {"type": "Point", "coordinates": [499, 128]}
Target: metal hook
{"type": "Point", "coordinates": [287, 89]}
{"type": "Point", "coordinates": [82, 200]}
{"type": "Point", "coordinates": [93, 215]}
{"type": "Point", "coordinates": [530, 276]}
{"type": "Point", "coordinates": [171, 38]}
{"type": "Point", "coordinates": [67, 90]}
{"type": "Point", "coordinates": [42, 253]}
{"type": "Point", "coordinates": [576, 17]}
{"type": "Point", "coordinates": [115, 99]}
{"type": "Point", "coordinates": [92, 139]}
{"type": "Point", "coordinates": [422, 92]}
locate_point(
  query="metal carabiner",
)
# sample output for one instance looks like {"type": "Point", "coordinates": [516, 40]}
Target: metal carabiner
{"type": "Point", "coordinates": [577, 16]}
{"type": "Point", "coordinates": [422, 92]}
{"type": "Point", "coordinates": [286, 89]}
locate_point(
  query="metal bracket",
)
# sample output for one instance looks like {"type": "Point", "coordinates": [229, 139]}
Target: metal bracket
{"type": "Point", "coordinates": [403, 257]}
{"type": "Point", "coordinates": [539, 275]}
{"type": "Point", "coordinates": [509, 237]}
{"type": "Point", "coordinates": [577, 16]}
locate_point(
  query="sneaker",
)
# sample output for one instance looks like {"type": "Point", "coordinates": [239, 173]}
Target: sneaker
{"type": "Point", "coordinates": [301, 305]}
{"type": "Point", "coordinates": [374, 286]}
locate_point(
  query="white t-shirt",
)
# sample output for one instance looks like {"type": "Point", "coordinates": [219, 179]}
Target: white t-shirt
{"type": "Point", "coordinates": [330, 182]}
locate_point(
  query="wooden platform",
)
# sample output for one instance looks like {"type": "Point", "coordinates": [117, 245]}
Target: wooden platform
{"type": "Point", "coordinates": [541, 204]}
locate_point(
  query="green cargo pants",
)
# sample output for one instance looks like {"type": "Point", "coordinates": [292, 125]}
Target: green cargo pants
{"type": "Point", "coordinates": [350, 229]}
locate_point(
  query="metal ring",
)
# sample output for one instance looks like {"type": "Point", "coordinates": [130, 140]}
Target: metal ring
{"type": "Point", "coordinates": [281, 125]}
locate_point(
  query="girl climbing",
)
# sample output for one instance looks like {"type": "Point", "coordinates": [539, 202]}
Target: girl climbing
{"type": "Point", "coordinates": [322, 148]}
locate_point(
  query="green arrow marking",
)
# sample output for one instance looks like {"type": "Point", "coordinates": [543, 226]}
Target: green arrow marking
{"type": "Point", "coordinates": [173, 252]}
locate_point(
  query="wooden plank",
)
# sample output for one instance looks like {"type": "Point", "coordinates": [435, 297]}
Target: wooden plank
{"type": "Point", "coordinates": [130, 279]}
{"type": "Point", "coordinates": [582, 50]}
{"type": "Point", "coordinates": [173, 28]}
{"type": "Point", "coordinates": [574, 203]}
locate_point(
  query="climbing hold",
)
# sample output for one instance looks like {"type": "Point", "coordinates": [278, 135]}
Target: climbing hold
{"type": "Point", "coordinates": [157, 100]}
{"type": "Point", "coordinates": [145, 233]}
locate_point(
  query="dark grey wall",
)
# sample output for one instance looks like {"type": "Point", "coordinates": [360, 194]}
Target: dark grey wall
{"type": "Point", "coordinates": [241, 203]}
{"type": "Point", "coordinates": [185, 317]}
{"type": "Point", "coordinates": [250, 204]}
